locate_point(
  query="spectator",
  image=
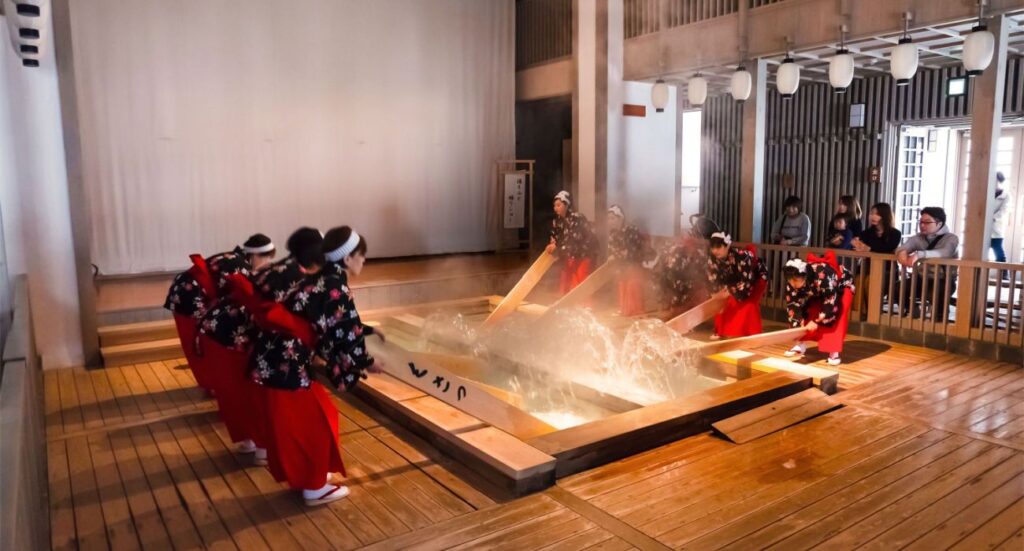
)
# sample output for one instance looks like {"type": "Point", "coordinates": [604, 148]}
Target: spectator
{"type": "Point", "coordinates": [849, 207]}
{"type": "Point", "coordinates": [934, 240]}
{"type": "Point", "coordinates": [839, 234]}
{"type": "Point", "coordinates": [999, 215]}
{"type": "Point", "coordinates": [881, 235]}
{"type": "Point", "coordinates": [793, 227]}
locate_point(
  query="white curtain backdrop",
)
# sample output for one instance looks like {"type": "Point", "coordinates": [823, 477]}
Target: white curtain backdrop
{"type": "Point", "coordinates": [204, 121]}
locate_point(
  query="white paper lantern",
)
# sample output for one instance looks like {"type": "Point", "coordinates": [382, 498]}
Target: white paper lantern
{"type": "Point", "coordinates": [787, 79]}
{"type": "Point", "coordinates": [903, 61]}
{"type": "Point", "coordinates": [741, 84]}
{"type": "Point", "coordinates": [659, 95]}
{"type": "Point", "coordinates": [840, 71]}
{"type": "Point", "coordinates": [697, 90]}
{"type": "Point", "coordinates": [978, 49]}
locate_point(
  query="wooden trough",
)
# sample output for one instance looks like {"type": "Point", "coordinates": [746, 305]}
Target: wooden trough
{"type": "Point", "coordinates": [521, 452]}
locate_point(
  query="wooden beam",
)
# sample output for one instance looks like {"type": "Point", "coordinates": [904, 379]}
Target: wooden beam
{"type": "Point", "coordinates": [811, 24]}
{"type": "Point", "coordinates": [986, 122]}
{"type": "Point", "coordinates": [526, 284]}
{"type": "Point", "coordinates": [429, 377]}
{"type": "Point", "coordinates": [685, 322]}
{"type": "Point", "coordinates": [752, 161]}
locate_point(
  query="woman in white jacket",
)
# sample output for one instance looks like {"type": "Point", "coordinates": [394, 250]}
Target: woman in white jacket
{"type": "Point", "coordinates": [1000, 214]}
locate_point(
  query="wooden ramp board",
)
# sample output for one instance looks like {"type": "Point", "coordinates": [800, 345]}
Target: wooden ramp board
{"type": "Point", "coordinates": [471, 369]}
{"type": "Point", "coordinates": [826, 380]}
{"type": "Point", "coordinates": [429, 377]}
{"type": "Point", "coordinates": [526, 284]}
{"type": "Point", "coordinates": [594, 283]}
{"type": "Point", "coordinates": [685, 322]}
{"type": "Point", "coordinates": [776, 416]}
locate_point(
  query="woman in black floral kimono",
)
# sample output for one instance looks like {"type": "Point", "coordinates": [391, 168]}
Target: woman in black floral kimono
{"type": "Point", "coordinates": [196, 289]}
{"type": "Point", "coordinates": [319, 328]}
{"type": "Point", "coordinates": [573, 242]}
{"type": "Point", "coordinates": [226, 333]}
{"type": "Point", "coordinates": [819, 294]}
{"type": "Point", "coordinates": [680, 271]}
{"type": "Point", "coordinates": [739, 275]}
{"type": "Point", "coordinates": [627, 244]}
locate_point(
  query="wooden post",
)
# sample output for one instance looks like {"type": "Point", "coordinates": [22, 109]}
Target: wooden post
{"type": "Point", "coordinates": [752, 162]}
{"type": "Point", "coordinates": [986, 120]}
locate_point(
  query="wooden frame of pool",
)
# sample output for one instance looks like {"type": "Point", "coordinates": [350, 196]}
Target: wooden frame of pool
{"type": "Point", "coordinates": [525, 465]}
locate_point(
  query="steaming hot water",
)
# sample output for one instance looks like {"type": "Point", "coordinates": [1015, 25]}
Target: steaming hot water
{"type": "Point", "coordinates": [563, 364]}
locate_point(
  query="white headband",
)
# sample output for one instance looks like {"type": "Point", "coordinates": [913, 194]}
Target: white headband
{"type": "Point", "coordinates": [258, 250]}
{"type": "Point", "coordinates": [617, 211]}
{"type": "Point", "coordinates": [723, 236]}
{"type": "Point", "coordinates": [345, 249]}
{"type": "Point", "coordinates": [800, 265]}
{"type": "Point", "coordinates": [563, 196]}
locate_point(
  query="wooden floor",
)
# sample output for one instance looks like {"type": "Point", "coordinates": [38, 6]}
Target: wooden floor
{"type": "Point", "coordinates": [927, 454]}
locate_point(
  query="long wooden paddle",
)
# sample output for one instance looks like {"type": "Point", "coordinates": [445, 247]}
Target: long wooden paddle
{"type": "Point", "coordinates": [594, 282]}
{"type": "Point", "coordinates": [526, 284]}
{"type": "Point", "coordinates": [422, 373]}
{"type": "Point", "coordinates": [685, 322]}
{"type": "Point", "coordinates": [753, 341]}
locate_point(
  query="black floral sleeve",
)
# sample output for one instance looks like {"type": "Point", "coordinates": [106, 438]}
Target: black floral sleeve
{"type": "Point", "coordinates": [738, 273]}
{"type": "Point", "coordinates": [628, 244]}
{"type": "Point", "coordinates": [680, 271]}
{"type": "Point", "coordinates": [278, 280]}
{"type": "Point", "coordinates": [224, 264]}
{"type": "Point", "coordinates": [574, 236]}
{"type": "Point", "coordinates": [823, 284]}
{"type": "Point", "coordinates": [328, 304]}
{"type": "Point", "coordinates": [228, 324]}
{"type": "Point", "coordinates": [185, 297]}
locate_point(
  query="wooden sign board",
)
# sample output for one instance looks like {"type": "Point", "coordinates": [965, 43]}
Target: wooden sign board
{"type": "Point", "coordinates": [526, 284]}
{"type": "Point", "coordinates": [429, 377]}
{"type": "Point", "coordinates": [685, 322]}
{"type": "Point", "coordinates": [630, 110]}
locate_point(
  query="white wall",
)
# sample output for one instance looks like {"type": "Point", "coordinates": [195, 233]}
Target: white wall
{"type": "Point", "coordinates": [644, 180]}
{"type": "Point", "coordinates": [34, 202]}
{"type": "Point", "coordinates": [202, 122]}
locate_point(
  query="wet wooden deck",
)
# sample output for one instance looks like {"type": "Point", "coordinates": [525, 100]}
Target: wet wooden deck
{"type": "Point", "coordinates": [927, 454]}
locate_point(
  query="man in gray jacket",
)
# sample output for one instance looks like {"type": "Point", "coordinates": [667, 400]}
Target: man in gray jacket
{"type": "Point", "coordinates": [933, 240]}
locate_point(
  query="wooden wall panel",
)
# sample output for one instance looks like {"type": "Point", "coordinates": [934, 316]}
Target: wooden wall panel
{"type": "Point", "coordinates": [809, 138]}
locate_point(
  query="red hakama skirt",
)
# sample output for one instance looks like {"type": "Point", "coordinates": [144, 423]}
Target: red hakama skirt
{"type": "Point", "coordinates": [740, 318]}
{"type": "Point", "coordinates": [574, 271]}
{"type": "Point", "coordinates": [631, 290]}
{"type": "Point", "coordinates": [303, 436]}
{"type": "Point", "coordinates": [830, 339]}
{"type": "Point", "coordinates": [239, 399]}
{"type": "Point", "coordinates": [187, 327]}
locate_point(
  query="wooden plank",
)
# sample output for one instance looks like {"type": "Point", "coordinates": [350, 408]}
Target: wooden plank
{"type": "Point", "coordinates": [749, 343]}
{"type": "Point", "coordinates": [472, 369]}
{"type": "Point", "coordinates": [685, 322]}
{"type": "Point", "coordinates": [150, 351]}
{"type": "Point", "coordinates": [1004, 526]}
{"type": "Point", "coordinates": [775, 416]}
{"type": "Point", "coordinates": [444, 385]}
{"type": "Point", "coordinates": [441, 414]}
{"type": "Point", "coordinates": [89, 526]}
{"type": "Point", "coordinates": [391, 387]}
{"type": "Point", "coordinates": [600, 277]}
{"type": "Point", "coordinates": [51, 404]}
{"type": "Point", "coordinates": [526, 284]}
{"type": "Point", "coordinates": [130, 333]}
{"type": "Point", "coordinates": [508, 454]}
{"type": "Point", "coordinates": [145, 513]}
{"type": "Point", "coordinates": [62, 512]}
{"type": "Point", "coordinates": [826, 380]}
{"type": "Point", "coordinates": [116, 515]}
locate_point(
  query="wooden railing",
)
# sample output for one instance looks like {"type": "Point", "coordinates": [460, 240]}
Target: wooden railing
{"type": "Point", "coordinates": [543, 31]}
{"type": "Point", "coordinates": [759, 3]}
{"type": "Point", "coordinates": [643, 16]}
{"type": "Point", "coordinates": [24, 512]}
{"type": "Point", "coordinates": [980, 301]}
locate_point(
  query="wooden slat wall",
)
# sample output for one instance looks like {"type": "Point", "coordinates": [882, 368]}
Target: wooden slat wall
{"type": "Point", "coordinates": [641, 16]}
{"type": "Point", "coordinates": [809, 137]}
{"type": "Point", "coordinates": [543, 31]}
{"type": "Point", "coordinates": [759, 3]}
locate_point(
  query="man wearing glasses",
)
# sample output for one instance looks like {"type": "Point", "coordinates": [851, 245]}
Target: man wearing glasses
{"type": "Point", "coordinates": [933, 240]}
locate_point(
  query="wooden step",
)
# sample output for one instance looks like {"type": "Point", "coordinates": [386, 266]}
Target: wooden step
{"type": "Point", "coordinates": [142, 352]}
{"type": "Point", "coordinates": [130, 333]}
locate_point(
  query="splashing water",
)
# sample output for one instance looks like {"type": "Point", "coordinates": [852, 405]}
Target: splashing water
{"type": "Point", "coordinates": [552, 360]}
